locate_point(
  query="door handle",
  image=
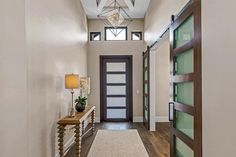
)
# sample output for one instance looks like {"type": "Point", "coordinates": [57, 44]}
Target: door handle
{"type": "Point", "coordinates": [171, 111]}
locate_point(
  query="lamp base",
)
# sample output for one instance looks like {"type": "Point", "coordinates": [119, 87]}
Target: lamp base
{"type": "Point", "coordinates": [72, 112]}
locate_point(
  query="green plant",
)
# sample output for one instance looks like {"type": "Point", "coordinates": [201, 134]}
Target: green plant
{"type": "Point", "coordinates": [81, 100]}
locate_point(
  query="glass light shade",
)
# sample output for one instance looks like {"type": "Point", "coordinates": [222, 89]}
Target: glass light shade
{"type": "Point", "coordinates": [71, 81]}
{"type": "Point", "coordinates": [115, 18]}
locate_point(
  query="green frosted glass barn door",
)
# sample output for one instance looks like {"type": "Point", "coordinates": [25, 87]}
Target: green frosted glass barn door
{"type": "Point", "coordinates": [186, 97]}
{"type": "Point", "coordinates": [185, 32]}
{"type": "Point", "coordinates": [182, 150]}
{"type": "Point", "coordinates": [146, 97]}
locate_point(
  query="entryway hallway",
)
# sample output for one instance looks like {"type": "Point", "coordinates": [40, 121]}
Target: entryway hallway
{"type": "Point", "coordinates": [183, 65]}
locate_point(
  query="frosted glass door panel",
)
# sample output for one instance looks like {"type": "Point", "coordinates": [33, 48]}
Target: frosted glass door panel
{"type": "Point", "coordinates": [184, 123]}
{"type": "Point", "coordinates": [184, 63]}
{"type": "Point", "coordinates": [111, 67]}
{"type": "Point", "coordinates": [116, 102]}
{"type": "Point", "coordinates": [146, 102]}
{"type": "Point", "coordinates": [184, 93]}
{"type": "Point", "coordinates": [146, 114]}
{"type": "Point", "coordinates": [145, 62]}
{"type": "Point", "coordinates": [116, 90]}
{"type": "Point", "coordinates": [182, 150]}
{"type": "Point", "coordinates": [116, 78]}
{"type": "Point", "coordinates": [146, 88]}
{"type": "Point", "coordinates": [116, 113]}
{"type": "Point", "coordinates": [185, 32]}
{"type": "Point", "coordinates": [145, 75]}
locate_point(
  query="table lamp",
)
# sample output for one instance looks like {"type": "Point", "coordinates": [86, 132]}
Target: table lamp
{"type": "Point", "coordinates": [72, 82]}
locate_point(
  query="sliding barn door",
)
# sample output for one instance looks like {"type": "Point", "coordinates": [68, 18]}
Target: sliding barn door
{"type": "Point", "coordinates": [146, 88]}
{"type": "Point", "coordinates": [186, 96]}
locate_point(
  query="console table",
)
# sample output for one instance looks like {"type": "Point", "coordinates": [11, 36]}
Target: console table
{"type": "Point", "coordinates": [78, 121]}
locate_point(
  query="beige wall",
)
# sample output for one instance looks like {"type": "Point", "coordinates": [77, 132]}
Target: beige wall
{"type": "Point", "coordinates": [97, 48]}
{"type": "Point", "coordinates": [41, 40]}
{"type": "Point", "coordinates": [158, 17]}
{"type": "Point", "coordinates": [219, 75]}
{"type": "Point", "coordinates": [162, 51]}
{"type": "Point", "coordinates": [13, 75]}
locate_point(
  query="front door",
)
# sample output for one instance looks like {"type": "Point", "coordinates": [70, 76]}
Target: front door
{"type": "Point", "coordinates": [116, 88]}
{"type": "Point", "coordinates": [185, 110]}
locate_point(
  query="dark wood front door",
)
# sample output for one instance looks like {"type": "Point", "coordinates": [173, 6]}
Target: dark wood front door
{"type": "Point", "coordinates": [185, 107]}
{"type": "Point", "coordinates": [116, 88]}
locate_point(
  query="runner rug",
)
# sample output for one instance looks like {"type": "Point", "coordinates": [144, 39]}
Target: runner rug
{"type": "Point", "coordinates": [117, 143]}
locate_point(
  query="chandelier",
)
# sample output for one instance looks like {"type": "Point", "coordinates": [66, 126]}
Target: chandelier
{"type": "Point", "coordinates": [114, 16]}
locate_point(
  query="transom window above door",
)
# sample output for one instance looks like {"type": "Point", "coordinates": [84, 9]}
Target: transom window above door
{"type": "Point", "coordinates": [136, 35]}
{"type": "Point", "coordinates": [95, 36]}
{"type": "Point", "coordinates": [121, 31]}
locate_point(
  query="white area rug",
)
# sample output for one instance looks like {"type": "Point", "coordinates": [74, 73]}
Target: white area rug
{"type": "Point", "coordinates": [117, 143]}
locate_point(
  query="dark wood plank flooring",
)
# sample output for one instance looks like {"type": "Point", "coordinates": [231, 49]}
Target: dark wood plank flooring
{"type": "Point", "coordinates": [156, 143]}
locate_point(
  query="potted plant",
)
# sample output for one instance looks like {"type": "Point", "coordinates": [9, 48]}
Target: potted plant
{"type": "Point", "coordinates": [80, 103]}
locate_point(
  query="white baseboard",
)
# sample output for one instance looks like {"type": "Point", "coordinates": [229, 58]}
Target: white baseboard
{"type": "Point", "coordinates": [97, 120]}
{"type": "Point", "coordinates": [137, 119]}
{"type": "Point", "coordinates": [67, 146]}
{"type": "Point", "coordinates": [157, 119]}
{"type": "Point", "coordinates": [162, 119]}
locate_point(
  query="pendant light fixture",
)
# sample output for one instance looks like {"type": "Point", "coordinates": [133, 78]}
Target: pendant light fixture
{"type": "Point", "coordinates": [114, 16]}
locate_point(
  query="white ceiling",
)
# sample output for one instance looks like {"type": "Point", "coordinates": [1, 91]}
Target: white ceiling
{"type": "Point", "coordinates": [138, 10]}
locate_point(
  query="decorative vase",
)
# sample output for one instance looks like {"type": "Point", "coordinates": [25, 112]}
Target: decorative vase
{"type": "Point", "coordinates": [79, 107]}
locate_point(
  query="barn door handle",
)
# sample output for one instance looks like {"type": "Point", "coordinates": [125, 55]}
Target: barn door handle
{"type": "Point", "coordinates": [171, 111]}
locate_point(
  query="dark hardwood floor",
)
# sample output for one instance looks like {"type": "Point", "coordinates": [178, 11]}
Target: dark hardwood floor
{"type": "Point", "coordinates": [156, 143]}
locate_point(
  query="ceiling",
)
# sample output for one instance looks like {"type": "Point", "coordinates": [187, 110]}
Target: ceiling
{"type": "Point", "coordinates": [134, 8]}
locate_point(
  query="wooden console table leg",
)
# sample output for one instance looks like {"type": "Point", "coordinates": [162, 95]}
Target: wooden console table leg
{"type": "Point", "coordinates": [61, 131]}
{"type": "Point", "coordinates": [93, 120]}
{"type": "Point", "coordinates": [78, 138]}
